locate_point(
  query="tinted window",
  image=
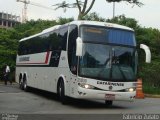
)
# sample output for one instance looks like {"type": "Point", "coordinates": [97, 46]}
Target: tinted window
{"type": "Point", "coordinates": [93, 34]}
{"type": "Point", "coordinates": [63, 37]}
{"type": "Point", "coordinates": [55, 43]}
{"type": "Point", "coordinates": [124, 37]}
{"type": "Point", "coordinates": [34, 45]}
{"type": "Point", "coordinates": [55, 40]}
{"type": "Point", "coordinates": [99, 34]}
{"type": "Point", "coordinates": [72, 59]}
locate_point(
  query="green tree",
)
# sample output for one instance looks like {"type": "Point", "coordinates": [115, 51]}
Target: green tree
{"type": "Point", "coordinates": [82, 5]}
{"type": "Point", "coordinates": [134, 2]}
{"type": "Point", "coordinates": [9, 38]}
{"type": "Point", "coordinates": [149, 72]}
{"type": "Point", "coordinates": [93, 17]}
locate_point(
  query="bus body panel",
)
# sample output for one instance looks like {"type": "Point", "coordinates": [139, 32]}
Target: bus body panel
{"type": "Point", "coordinates": [101, 95]}
{"type": "Point", "coordinates": [42, 74]}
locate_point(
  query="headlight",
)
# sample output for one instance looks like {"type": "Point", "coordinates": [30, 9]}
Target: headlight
{"type": "Point", "coordinates": [87, 86]}
{"type": "Point", "coordinates": [130, 89]}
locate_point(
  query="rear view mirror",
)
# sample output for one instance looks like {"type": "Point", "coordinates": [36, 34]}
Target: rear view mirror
{"type": "Point", "coordinates": [147, 51]}
{"type": "Point", "coordinates": [79, 46]}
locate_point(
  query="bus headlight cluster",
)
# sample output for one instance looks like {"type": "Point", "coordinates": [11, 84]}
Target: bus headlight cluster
{"type": "Point", "coordinates": [87, 86]}
{"type": "Point", "coordinates": [130, 89]}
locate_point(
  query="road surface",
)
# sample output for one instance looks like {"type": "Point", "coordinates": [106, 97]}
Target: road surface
{"type": "Point", "coordinates": [15, 101]}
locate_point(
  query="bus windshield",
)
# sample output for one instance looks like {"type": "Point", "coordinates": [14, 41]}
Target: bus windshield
{"type": "Point", "coordinates": [108, 62]}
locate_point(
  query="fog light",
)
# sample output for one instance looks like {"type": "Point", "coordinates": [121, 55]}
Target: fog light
{"type": "Point", "coordinates": [86, 86]}
{"type": "Point", "coordinates": [131, 90]}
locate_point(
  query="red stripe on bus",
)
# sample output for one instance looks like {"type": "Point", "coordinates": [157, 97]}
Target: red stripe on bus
{"type": "Point", "coordinates": [47, 57]}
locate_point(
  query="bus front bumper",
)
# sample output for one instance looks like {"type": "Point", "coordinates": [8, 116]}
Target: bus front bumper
{"type": "Point", "coordinates": [105, 95]}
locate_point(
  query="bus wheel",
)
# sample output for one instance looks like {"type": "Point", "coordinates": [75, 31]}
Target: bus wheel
{"type": "Point", "coordinates": [21, 86]}
{"type": "Point", "coordinates": [108, 102]}
{"type": "Point", "coordinates": [61, 93]}
{"type": "Point", "coordinates": [25, 84]}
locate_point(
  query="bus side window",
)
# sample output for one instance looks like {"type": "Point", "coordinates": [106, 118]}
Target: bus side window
{"type": "Point", "coordinates": [72, 58]}
{"type": "Point", "coordinates": [54, 41]}
{"type": "Point", "coordinates": [63, 37]}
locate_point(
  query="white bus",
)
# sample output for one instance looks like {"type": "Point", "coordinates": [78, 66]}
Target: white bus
{"type": "Point", "coordinates": [81, 59]}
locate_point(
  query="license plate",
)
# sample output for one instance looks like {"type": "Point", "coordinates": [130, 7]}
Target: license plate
{"type": "Point", "coordinates": [109, 96]}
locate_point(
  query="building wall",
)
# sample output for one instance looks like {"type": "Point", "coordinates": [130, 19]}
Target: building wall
{"type": "Point", "coordinates": [8, 20]}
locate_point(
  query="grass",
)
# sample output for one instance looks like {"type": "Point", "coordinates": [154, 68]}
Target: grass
{"type": "Point", "coordinates": [151, 89]}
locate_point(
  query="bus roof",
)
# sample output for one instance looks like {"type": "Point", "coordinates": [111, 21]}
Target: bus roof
{"type": "Point", "coordinates": [105, 24]}
{"type": "Point", "coordinates": [80, 22]}
{"type": "Point", "coordinates": [43, 32]}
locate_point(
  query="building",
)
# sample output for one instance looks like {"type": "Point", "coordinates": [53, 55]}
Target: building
{"type": "Point", "coordinates": [8, 20]}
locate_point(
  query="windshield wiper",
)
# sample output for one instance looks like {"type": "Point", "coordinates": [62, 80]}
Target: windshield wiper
{"type": "Point", "coordinates": [117, 64]}
{"type": "Point", "coordinates": [122, 72]}
{"type": "Point", "coordinates": [101, 71]}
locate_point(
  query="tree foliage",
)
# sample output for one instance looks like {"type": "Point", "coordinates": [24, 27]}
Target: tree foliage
{"type": "Point", "coordinates": [9, 39]}
{"type": "Point", "coordinates": [149, 36]}
{"type": "Point", "coordinates": [84, 10]}
{"type": "Point", "coordinates": [134, 2]}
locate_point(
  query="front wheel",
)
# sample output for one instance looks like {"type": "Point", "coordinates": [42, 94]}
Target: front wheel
{"type": "Point", "coordinates": [61, 93]}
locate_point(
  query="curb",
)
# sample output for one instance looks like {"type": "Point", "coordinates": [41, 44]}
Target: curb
{"type": "Point", "coordinates": [152, 96]}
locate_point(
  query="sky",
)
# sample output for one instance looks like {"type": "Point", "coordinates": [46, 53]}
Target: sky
{"type": "Point", "coordinates": [147, 16]}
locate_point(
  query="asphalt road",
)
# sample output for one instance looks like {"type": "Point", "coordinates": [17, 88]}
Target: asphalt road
{"type": "Point", "coordinates": [15, 101]}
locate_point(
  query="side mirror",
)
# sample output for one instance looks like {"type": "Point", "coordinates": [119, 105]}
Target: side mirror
{"type": "Point", "coordinates": [79, 45]}
{"type": "Point", "coordinates": [147, 51]}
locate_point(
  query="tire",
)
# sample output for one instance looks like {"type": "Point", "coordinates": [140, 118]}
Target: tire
{"type": "Point", "coordinates": [25, 87]}
{"type": "Point", "coordinates": [21, 86]}
{"type": "Point", "coordinates": [108, 102]}
{"type": "Point", "coordinates": [61, 93]}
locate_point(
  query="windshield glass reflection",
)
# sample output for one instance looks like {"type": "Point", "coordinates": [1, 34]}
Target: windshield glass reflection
{"type": "Point", "coordinates": [106, 62]}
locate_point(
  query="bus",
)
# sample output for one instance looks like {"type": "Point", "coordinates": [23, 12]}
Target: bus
{"type": "Point", "coordinates": [82, 59]}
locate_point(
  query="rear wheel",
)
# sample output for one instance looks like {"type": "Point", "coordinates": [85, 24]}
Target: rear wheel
{"type": "Point", "coordinates": [108, 102]}
{"type": "Point", "coordinates": [61, 92]}
{"type": "Point", "coordinates": [21, 86]}
{"type": "Point", "coordinates": [25, 84]}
